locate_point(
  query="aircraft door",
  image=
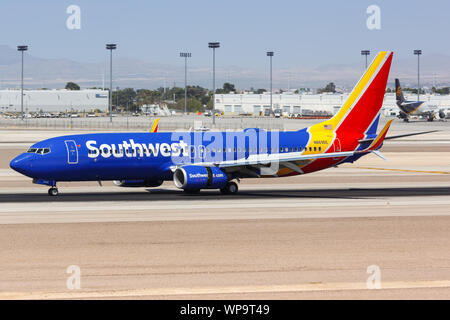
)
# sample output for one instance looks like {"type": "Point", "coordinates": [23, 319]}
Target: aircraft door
{"type": "Point", "coordinates": [72, 152]}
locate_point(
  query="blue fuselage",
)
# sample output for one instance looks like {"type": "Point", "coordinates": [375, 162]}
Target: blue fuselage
{"type": "Point", "coordinates": [120, 156]}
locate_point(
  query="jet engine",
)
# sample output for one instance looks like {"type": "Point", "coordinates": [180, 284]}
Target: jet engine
{"type": "Point", "coordinates": [198, 177]}
{"type": "Point", "coordinates": [402, 115]}
{"type": "Point", "coordinates": [138, 183]}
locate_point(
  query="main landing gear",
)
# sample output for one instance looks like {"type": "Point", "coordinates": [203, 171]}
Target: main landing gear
{"type": "Point", "coordinates": [230, 188]}
{"type": "Point", "coordinates": [53, 191]}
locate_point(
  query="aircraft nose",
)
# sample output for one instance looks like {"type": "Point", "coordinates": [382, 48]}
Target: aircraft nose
{"type": "Point", "coordinates": [21, 163]}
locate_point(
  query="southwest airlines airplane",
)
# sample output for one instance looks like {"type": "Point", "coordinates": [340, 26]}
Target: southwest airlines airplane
{"type": "Point", "coordinates": [215, 160]}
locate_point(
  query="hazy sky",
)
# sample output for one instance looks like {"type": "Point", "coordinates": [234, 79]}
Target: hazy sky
{"type": "Point", "coordinates": [300, 32]}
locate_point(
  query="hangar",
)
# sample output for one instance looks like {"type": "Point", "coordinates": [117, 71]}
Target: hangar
{"type": "Point", "coordinates": [57, 100]}
{"type": "Point", "coordinates": [306, 104]}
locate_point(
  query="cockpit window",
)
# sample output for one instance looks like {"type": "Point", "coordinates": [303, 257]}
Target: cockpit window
{"type": "Point", "coordinates": [39, 150]}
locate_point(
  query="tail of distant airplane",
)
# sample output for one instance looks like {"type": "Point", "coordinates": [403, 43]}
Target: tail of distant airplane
{"type": "Point", "coordinates": [406, 107]}
{"type": "Point", "coordinates": [398, 92]}
{"type": "Point", "coordinates": [359, 114]}
{"type": "Point", "coordinates": [154, 127]}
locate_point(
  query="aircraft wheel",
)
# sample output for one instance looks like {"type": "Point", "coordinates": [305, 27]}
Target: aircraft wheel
{"type": "Point", "coordinates": [230, 188]}
{"type": "Point", "coordinates": [53, 191]}
{"type": "Point", "coordinates": [406, 120]}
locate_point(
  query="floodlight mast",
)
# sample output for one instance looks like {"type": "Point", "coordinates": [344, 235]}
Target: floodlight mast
{"type": "Point", "coordinates": [418, 52]}
{"type": "Point", "coordinates": [110, 47]}
{"type": "Point", "coordinates": [214, 46]}
{"type": "Point", "coordinates": [365, 53]}
{"type": "Point", "coordinates": [185, 55]}
{"type": "Point", "coordinates": [270, 55]}
{"type": "Point", "coordinates": [21, 49]}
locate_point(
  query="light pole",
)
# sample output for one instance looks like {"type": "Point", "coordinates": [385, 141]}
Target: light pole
{"type": "Point", "coordinates": [365, 53]}
{"type": "Point", "coordinates": [21, 49]}
{"type": "Point", "coordinates": [185, 55]}
{"type": "Point", "coordinates": [110, 47]}
{"type": "Point", "coordinates": [270, 55]}
{"type": "Point", "coordinates": [128, 102]}
{"type": "Point", "coordinates": [418, 53]}
{"type": "Point", "coordinates": [117, 97]}
{"type": "Point", "coordinates": [214, 46]}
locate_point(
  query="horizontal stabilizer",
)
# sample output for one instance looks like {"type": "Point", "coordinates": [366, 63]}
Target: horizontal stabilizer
{"type": "Point", "coordinates": [376, 143]}
{"type": "Point", "coordinates": [378, 154]}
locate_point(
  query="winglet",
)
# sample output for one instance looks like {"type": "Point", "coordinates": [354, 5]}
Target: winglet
{"type": "Point", "coordinates": [155, 126]}
{"type": "Point", "coordinates": [376, 143]}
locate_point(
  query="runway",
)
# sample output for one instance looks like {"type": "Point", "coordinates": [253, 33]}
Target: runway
{"type": "Point", "coordinates": [311, 236]}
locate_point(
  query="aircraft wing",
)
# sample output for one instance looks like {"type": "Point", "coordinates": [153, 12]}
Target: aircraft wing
{"type": "Point", "coordinates": [267, 159]}
{"type": "Point", "coordinates": [409, 134]}
{"type": "Point", "coordinates": [400, 136]}
{"type": "Point", "coordinates": [291, 159]}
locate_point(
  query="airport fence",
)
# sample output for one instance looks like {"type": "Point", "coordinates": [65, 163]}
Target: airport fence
{"type": "Point", "coordinates": [142, 123]}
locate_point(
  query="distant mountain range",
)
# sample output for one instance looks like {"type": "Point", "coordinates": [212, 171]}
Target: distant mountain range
{"type": "Point", "coordinates": [128, 72]}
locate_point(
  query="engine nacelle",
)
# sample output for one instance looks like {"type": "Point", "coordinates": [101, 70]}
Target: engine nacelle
{"type": "Point", "coordinates": [138, 183]}
{"type": "Point", "coordinates": [442, 114]}
{"type": "Point", "coordinates": [198, 177]}
{"type": "Point", "coordinates": [402, 115]}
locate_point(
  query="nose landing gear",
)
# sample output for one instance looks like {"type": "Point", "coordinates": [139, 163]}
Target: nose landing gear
{"type": "Point", "coordinates": [53, 191]}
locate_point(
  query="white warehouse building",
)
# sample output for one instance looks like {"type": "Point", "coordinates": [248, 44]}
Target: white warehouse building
{"type": "Point", "coordinates": [306, 104]}
{"type": "Point", "coordinates": [54, 100]}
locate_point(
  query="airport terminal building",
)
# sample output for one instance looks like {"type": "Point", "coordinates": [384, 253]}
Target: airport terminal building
{"type": "Point", "coordinates": [54, 100]}
{"type": "Point", "coordinates": [307, 104]}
